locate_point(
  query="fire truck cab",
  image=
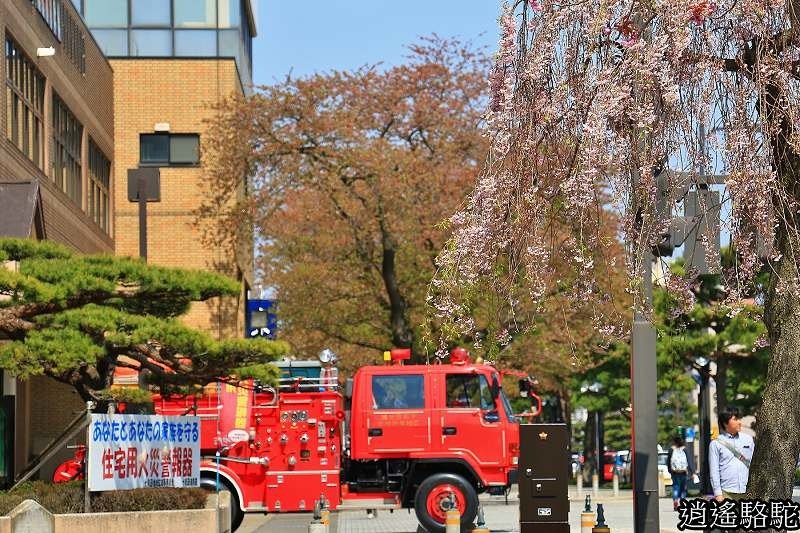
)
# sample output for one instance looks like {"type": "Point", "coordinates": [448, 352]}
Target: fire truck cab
{"type": "Point", "coordinates": [425, 437]}
{"type": "Point", "coordinates": [421, 434]}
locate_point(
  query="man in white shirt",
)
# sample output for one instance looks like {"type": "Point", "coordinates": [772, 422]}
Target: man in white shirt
{"type": "Point", "coordinates": [729, 457]}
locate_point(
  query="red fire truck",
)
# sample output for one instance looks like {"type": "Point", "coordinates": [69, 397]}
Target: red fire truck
{"type": "Point", "coordinates": [411, 436]}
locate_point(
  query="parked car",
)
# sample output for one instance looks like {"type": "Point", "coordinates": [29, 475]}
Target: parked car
{"type": "Point", "coordinates": [609, 462]}
{"type": "Point", "coordinates": [625, 472]}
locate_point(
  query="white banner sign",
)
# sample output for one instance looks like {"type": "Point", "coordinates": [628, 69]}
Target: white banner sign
{"type": "Point", "coordinates": [136, 451]}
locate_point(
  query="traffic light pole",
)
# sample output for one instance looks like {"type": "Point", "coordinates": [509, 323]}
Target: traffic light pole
{"type": "Point", "coordinates": [644, 417]}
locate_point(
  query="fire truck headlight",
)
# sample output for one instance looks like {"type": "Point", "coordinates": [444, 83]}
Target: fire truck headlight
{"type": "Point", "coordinates": [515, 460]}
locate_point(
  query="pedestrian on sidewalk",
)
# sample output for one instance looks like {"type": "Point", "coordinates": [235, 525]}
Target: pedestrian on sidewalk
{"type": "Point", "coordinates": [729, 457]}
{"type": "Point", "coordinates": [678, 467]}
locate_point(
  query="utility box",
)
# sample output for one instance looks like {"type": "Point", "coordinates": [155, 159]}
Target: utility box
{"type": "Point", "coordinates": [544, 468]}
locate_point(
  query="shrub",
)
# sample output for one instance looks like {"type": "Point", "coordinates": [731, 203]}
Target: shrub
{"type": "Point", "coordinates": [56, 498]}
{"type": "Point", "coordinates": [68, 498]}
{"type": "Point", "coordinates": [148, 500]}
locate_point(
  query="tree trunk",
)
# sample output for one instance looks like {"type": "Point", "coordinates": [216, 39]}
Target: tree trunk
{"type": "Point", "coordinates": [778, 439]}
{"type": "Point", "coordinates": [721, 381]}
{"type": "Point", "coordinates": [402, 334]}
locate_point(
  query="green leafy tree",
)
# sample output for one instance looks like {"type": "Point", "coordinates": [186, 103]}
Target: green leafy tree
{"type": "Point", "coordinates": [731, 337]}
{"type": "Point", "coordinates": [77, 318]}
{"type": "Point", "coordinates": [605, 387]}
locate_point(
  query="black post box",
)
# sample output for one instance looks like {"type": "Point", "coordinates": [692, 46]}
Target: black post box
{"type": "Point", "coordinates": [544, 464]}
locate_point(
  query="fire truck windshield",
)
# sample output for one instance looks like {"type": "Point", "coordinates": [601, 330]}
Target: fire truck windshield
{"type": "Point", "coordinates": [507, 407]}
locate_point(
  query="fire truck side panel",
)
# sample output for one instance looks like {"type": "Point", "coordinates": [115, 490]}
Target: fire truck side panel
{"type": "Point", "coordinates": [300, 437]}
{"type": "Point", "coordinates": [297, 490]}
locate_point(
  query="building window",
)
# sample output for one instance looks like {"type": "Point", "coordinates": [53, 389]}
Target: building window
{"type": "Point", "coordinates": [74, 41]}
{"type": "Point", "coordinates": [66, 153]}
{"type": "Point", "coordinates": [164, 149]}
{"type": "Point", "coordinates": [99, 180]}
{"type": "Point", "coordinates": [24, 104]}
{"type": "Point", "coordinates": [52, 12]}
{"type": "Point", "coordinates": [151, 43]}
{"type": "Point", "coordinates": [195, 13]}
{"type": "Point", "coordinates": [195, 43]}
{"type": "Point", "coordinates": [230, 13]}
{"type": "Point", "coordinates": [112, 42]}
{"type": "Point", "coordinates": [150, 13]}
{"type": "Point", "coordinates": [106, 13]}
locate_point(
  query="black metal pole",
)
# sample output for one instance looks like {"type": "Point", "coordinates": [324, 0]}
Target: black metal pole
{"type": "Point", "coordinates": [142, 192]}
{"type": "Point", "coordinates": [705, 428]}
{"type": "Point", "coordinates": [597, 464]}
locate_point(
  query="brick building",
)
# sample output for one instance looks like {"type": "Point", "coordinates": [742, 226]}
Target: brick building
{"type": "Point", "coordinates": [128, 84]}
{"type": "Point", "coordinates": [56, 178]}
{"type": "Point", "coordinates": [172, 60]}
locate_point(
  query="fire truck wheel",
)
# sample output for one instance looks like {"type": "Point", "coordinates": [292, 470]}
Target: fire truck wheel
{"type": "Point", "coordinates": [237, 515]}
{"type": "Point", "coordinates": [433, 500]}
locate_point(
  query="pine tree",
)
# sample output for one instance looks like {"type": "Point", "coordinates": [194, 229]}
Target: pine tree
{"type": "Point", "coordinates": [76, 318]}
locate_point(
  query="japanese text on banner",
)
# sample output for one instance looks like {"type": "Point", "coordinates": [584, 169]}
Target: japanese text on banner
{"type": "Point", "coordinates": [135, 451]}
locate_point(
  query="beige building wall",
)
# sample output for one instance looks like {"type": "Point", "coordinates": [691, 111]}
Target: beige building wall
{"type": "Point", "coordinates": [179, 92]}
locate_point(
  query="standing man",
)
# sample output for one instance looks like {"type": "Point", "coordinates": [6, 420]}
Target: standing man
{"type": "Point", "coordinates": [678, 467]}
{"type": "Point", "coordinates": [729, 457]}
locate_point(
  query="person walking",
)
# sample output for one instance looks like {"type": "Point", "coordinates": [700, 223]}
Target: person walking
{"type": "Point", "coordinates": [678, 467]}
{"type": "Point", "coordinates": [729, 457]}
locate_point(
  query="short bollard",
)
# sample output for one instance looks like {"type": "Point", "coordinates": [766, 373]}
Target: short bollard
{"type": "Point", "coordinates": [452, 521]}
{"type": "Point", "coordinates": [662, 487]}
{"type": "Point", "coordinates": [480, 527]}
{"type": "Point", "coordinates": [615, 484]}
{"type": "Point", "coordinates": [325, 515]}
{"type": "Point", "coordinates": [587, 516]}
{"type": "Point", "coordinates": [595, 485]}
{"type": "Point", "coordinates": [316, 525]}
{"type": "Point", "coordinates": [601, 526]}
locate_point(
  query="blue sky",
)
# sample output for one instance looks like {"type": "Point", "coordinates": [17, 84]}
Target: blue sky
{"type": "Point", "coordinates": [320, 35]}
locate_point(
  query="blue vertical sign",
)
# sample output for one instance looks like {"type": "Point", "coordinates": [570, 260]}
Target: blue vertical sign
{"type": "Point", "coordinates": [260, 319]}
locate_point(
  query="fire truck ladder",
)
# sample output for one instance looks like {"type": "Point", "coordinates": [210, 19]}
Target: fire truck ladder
{"type": "Point", "coordinates": [78, 423]}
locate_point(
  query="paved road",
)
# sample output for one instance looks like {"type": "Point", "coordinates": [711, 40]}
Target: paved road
{"type": "Point", "coordinates": [499, 517]}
